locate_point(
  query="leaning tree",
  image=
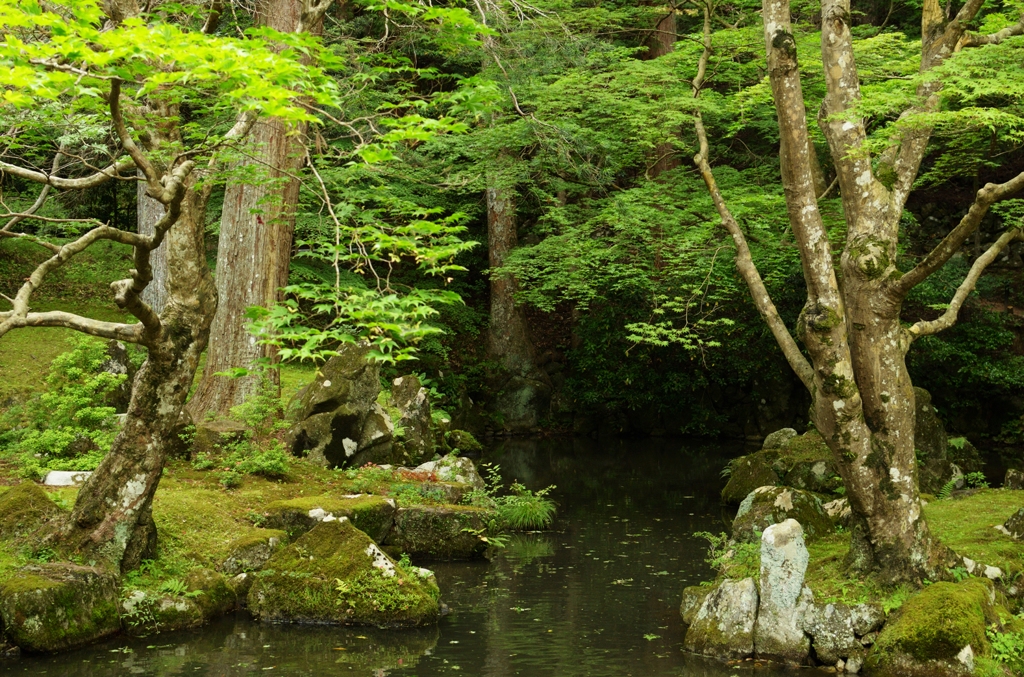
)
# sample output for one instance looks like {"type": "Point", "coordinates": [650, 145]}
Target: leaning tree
{"type": "Point", "coordinates": [854, 344]}
{"type": "Point", "coordinates": [129, 78]}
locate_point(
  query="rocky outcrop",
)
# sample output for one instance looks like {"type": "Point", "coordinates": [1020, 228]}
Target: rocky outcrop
{"type": "Point", "coordinates": [785, 600]}
{"type": "Point", "coordinates": [1014, 480]}
{"type": "Point", "coordinates": [934, 467]}
{"type": "Point", "coordinates": [340, 422]}
{"type": "Point", "coordinates": [441, 532]}
{"type": "Point", "coordinates": [749, 473]}
{"type": "Point", "coordinates": [837, 632]}
{"type": "Point", "coordinates": [787, 459]}
{"type": "Point", "coordinates": [58, 606]}
{"type": "Point", "coordinates": [937, 632]}
{"type": "Point", "coordinates": [251, 551]}
{"type": "Point", "coordinates": [693, 599]}
{"type": "Point", "coordinates": [336, 574]}
{"type": "Point", "coordinates": [372, 514]}
{"type": "Point", "coordinates": [1015, 525]}
{"type": "Point", "coordinates": [118, 363]}
{"type": "Point", "coordinates": [414, 423]}
{"type": "Point", "coordinates": [766, 506]}
{"type": "Point", "coordinates": [779, 438]}
{"type": "Point", "coordinates": [454, 469]}
{"type": "Point", "coordinates": [724, 625]}
{"type": "Point", "coordinates": [204, 595]}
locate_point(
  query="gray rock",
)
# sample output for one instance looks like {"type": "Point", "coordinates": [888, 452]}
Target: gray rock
{"type": "Point", "coordinates": [766, 506]}
{"type": "Point", "coordinates": [1014, 480]}
{"type": "Point", "coordinates": [414, 406]}
{"type": "Point", "coordinates": [932, 445]}
{"type": "Point", "coordinates": [833, 636]}
{"type": "Point", "coordinates": [251, 551]}
{"type": "Point", "coordinates": [522, 402]}
{"type": "Point", "coordinates": [724, 625]}
{"type": "Point", "coordinates": [839, 512]}
{"type": "Point", "coordinates": [1015, 525]}
{"type": "Point", "coordinates": [339, 421]}
{"type": "Point", "coordinates": [867, 618]}
{"type": "Point", "coordinates": [458, 469]}
{"type": "Point", "coordinates": [778, 439]}
{"type": "Point", "coordinates": [119, 364]}
{"type": "Point", "coordinates": [693, 599]}
{"type": "Point", "coordinates": [443, 532]}
{"type": "Point", "coordinates": [66, 478]}
{"type": "Point", "coordinates": [748, 473]}
{"type": "Point", "coordinates": [785, 600]}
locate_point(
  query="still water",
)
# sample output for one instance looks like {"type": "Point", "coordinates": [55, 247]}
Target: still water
{"type": "Point", "coordinates": [596, 596]}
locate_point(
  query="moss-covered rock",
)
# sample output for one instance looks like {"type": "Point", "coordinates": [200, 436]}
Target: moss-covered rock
{"type": "Point", "coordinates": [336, 574]}
{"type": "Point", "coordinates": [463, 441]}
{"type": "Point", "coordinates": [250, 551]}
{"type": "Point", "coordinates": [58, 606]}
{"type": "Point", "coordinates": [454, 469]}
{"type": "Point", "coordinates": [693, 598]}
{"type": "Point", "coordinates": [372, 514]}
{"type": "Point", "coordinates": [441, 532]}
{"type": "Point", "coordinates": [24, 509]}
{"type": "Point", "coordinates": [1015, 525]}
{"type": "Point", "coordinates": [749, 473]}
{"type": "Point", "coordinates": [934, 468]}
{"type": "Point", "coordinates": [766, 506]}
{"type": "Point", "coordinates": [939, 631]}
{"type": "Point", "coordinates": [724, 625]}
{"type": "Point", "coordinates": [204, 596]}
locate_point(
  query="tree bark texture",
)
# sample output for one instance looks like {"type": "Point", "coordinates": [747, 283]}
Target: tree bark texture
{"type": "Point", "coordinates": [508, 337]}
{"type": "Point", "coordinates": [254, 250]}
{"type": "Point", "coordinates": [661, 42]}
{"type": "Point", "coordinates": [149, 212]}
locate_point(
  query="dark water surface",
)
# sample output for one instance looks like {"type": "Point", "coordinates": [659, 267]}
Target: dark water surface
{"type": "Point", "coordinates": [597, 596]}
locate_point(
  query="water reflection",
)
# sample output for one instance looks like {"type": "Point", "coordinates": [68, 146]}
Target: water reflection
{"type": "Point", "coordinates": [596, 596]}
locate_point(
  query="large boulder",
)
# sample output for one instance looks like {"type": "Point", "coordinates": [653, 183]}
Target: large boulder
{"type": "Point", "coordinates": [521, 402]}
{"type": "Point", "coordinates": [934, 468]}
{"type": "Point", "coordinates": [251, 551]}
{"type": "Point", "coordinates": [723, 627]}
{"type": "Point", "coordinates": [693, 600]}
{"type": "Point", "coordinates": [336, 574]}
{"type": "Point", "coordinates": [58, 606]}
{"type": "Point", "coordinates": [748, 473]}
{"type": "Point", "coordinates": [937, 632]}
{"type": "Point", "coordinates": [441, 532]}
{"type": "Point", "coordinates": [373, 514]}
{"type": "Point", "coordinates": [766, 506]}
{"type": "Point", "coordinates": [836, 630]}
{"type": "Point", "coordinates": [1014, 479]}
{"type": "Point", "coordinates": [1015, 525]}
{"type": "Point", "coordinates": [414, 422]}
{"type": "Point", "coordinates": [24, 509]}
{"type": "Point", "coordinates": [454, 470]}
{"type": "Point", "coordinates": [785, 600]}
{"type": "Point", "coordinates": [340, 422]}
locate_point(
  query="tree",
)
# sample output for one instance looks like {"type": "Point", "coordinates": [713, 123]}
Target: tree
{"type": "Point", "coordinates": [255, 243]}
{"type": "Point", "coordinates": [107, 67]}
{"type": "Point", "coordinates": [854, 368]}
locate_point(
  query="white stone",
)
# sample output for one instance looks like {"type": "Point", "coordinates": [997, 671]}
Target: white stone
{"type": "Point", "coordinates": [853, 664]}
{"type": "Point", "coordinates": [993, 572]}
{"type": "Point", "coordinates": [966, 657]}
{"type": "Point", "coordinates": [317, 513]}
{"type": "Point", "coordinates": [330, 518]}
{"type": "Point", "coordinates": [785, 600]}
{"type": "Point", "coordinates": [380, 560]}
{"type": "Point", "coordinates": [350, 446]}
{"type": "Point", "coordinates": [66, 478]}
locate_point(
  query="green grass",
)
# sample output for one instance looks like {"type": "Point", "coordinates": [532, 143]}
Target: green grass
{"type": "Point", "coordinates": [967, 524]}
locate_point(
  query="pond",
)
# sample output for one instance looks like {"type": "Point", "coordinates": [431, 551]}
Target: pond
{"type": "Point", "coordinates": [596, 596]}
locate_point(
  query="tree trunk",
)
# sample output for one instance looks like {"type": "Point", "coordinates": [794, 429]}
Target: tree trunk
{"type": "Point", "coordinates": [254, 251]}
{"type": "Point", "coordinates": [508, 338]}
{"type": "Point", "coordinates": [661, 42]}
{"type": "Point", "coordinates": [149, 212]}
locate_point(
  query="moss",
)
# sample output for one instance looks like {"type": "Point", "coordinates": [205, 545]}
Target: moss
{"type": "Point", "coordinates": [372, 514]}
{"type": "Point", "coordinates": [749, 473]}
{"type": "Point", "coordinates": [463, 441]}
{"type": "Point", "coordinates": [886, 176]}
{"type": "Point", "coordinates": [328, 576]}
{"type": "Point", "coordinates": [442, 532]}
{"type": "Point", "coordinates": [256, 537]}
{"type": "Point", "coordinates": [837, 385]}
{"type": "Point", "coordinates": [24, 509]}
{"type": "Point", "coordinates": [965, 525]}
{"type": "Point", "coordinates": [937, 623]}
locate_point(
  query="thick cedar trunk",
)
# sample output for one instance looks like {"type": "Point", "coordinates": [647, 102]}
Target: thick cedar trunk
{"type": "Point", "coordinates": [149, 212]}
{"type": "Point", "coordinates": [661, 42]}
{"type": "Point", "coordinates": [254, 251]}
{"type": "Point", "coordinates": [508, 339]}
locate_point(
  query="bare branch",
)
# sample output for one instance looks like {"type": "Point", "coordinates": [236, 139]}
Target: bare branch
{"type": "Point", "coordinates": [128, 333]}
{"type": "Point", "coordinates": [141, 161]}
{"type": "Point", "coordinates": [986, 197]}
{"type": "Point", "coordinates": [977, 40]}
{"type": "Point", "coordinates": [31, 238]}
{"type": "Point", "coordinates": [948, 318]}
{"type": "Point", "coordinates": [91, 181]}
{"type": "Point", "coordinates": [43, 194]}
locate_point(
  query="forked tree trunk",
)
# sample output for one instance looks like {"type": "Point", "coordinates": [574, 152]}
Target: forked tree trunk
{"type": "Point", "coordinates": [254, 250]}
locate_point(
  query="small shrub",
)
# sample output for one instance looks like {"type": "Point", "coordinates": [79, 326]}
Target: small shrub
{"type": "Point", "coordinates": [524, 509]}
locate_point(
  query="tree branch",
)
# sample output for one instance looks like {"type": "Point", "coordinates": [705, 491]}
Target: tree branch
{"type": "Point", "coordinates": [129, 333]}
{"type": "Point", "coordinates": [977, 40]}
{"type": "Point", "coordinates": [141, 161]}
{"type": "Point", "coordinates": [41, 200]}
{"type": "Point", "coordinates": [948, 318]}
{"type": "Point", "coordinates": [91, 181]}
{"type": "Point", "coordinates": [986, 197]}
